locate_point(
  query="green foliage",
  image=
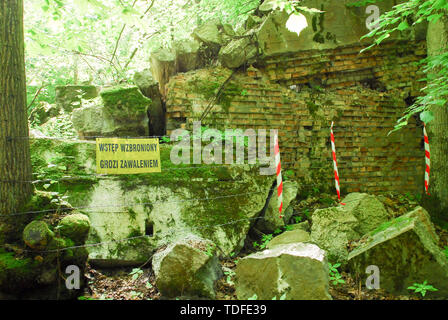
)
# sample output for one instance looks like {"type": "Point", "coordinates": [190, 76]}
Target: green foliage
{"type": "Point", "coordinates": [85, 298]}
{"type": "Point", "coordinates": [335, 276]}
{"type": "Point", "coordinates": [401, 18]}
{"type": "Point", "coordinates": [210, 250]}
{"type": "Point", "coordinates": [229, 277]}
{"type": "Point", "coordinates": [264, 241]}
{"type": "Point", "coordinates": [137, 295]}
{"type": "Point", "coordinates": [282, 297]}
{"type": "Point", "coordinates": [136, 273]}
{"type": "Point", "coordinates": [107, 41]}
{"type": "Point", "coordinates": [288, 174]}
{"type": "Point", "coordinates": [422, 288]}
{"type": "Point", "coordinates": [362, 3]}
{"type": "Point", "coordinates": [166, 139]}
{"type": "Point", "coordinates": [445, 251]}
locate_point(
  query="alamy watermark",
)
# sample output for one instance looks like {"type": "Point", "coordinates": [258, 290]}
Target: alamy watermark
{"type": "Point", "coordinates": [254, 141]}
{"type": "Point", "coordinates": [373, 280]}
{"type": "Point", "coordinates": [73, 281]}
{"type": "Point", "coordinates": [372, 20]}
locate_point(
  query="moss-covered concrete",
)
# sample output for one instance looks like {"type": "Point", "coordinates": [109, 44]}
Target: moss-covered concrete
{"type": "Point", "coordinates": [180, 200]}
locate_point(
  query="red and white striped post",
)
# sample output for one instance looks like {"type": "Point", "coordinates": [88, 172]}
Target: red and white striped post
{"type": "Point", "coordinates": [427, 159]}
{"type": "Point", "coordinates": [335, 165]}
{"type": "Point", "coordinates": [278, 165]}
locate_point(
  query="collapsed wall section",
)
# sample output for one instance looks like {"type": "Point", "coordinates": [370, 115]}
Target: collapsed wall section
{"type": "Point", "coordinates": [301, 94]}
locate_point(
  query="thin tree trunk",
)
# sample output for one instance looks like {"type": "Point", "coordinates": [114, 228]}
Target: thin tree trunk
{"type": "Point", "coordinates": [437, 40]}
{"type": "Point", "coordinates": [15, 163]}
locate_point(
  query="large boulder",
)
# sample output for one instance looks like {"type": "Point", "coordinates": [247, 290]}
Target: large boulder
{"type": "Point", "coordinates": [163, 66]}
{"type": "Point", "coordinates": [42, 112]}
{"type": "Point", "coordinates": [406, 252]}
{"type": "Point", "coordinates": [209, 33]}
{"type": "Point", "coordinates": [332, 229]}
{"type": "Point", "coordinates": [37, 235]}
{"type": "Point", "coordinates": [272, 220]}
{"type": "Point", "coordinates": [121, 111]}
{"type": "Point", "coordinates": [75, 227]}
{"type": "Point", "coordinates": [369, 211]}
{"type": "Point", "coordinates": [187, 55]}
{"type": "Point", "coordinates": [188, 267]}
{"type": "Point", "coordinates": [273, 36]}
{"type": "Point", "coordinates": [298, 270]}
{"type": "Point", "coordinates": [156, 112]}
{"type": "Point", "coordinates": [238, 52]}
{"type": "Point", "coordinates": [69, 97]}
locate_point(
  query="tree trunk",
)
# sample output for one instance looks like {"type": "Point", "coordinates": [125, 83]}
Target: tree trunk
{"type": "Point", "coordinates": [437, 41]}
{"type": "Point", "coordinates": [15, 163]}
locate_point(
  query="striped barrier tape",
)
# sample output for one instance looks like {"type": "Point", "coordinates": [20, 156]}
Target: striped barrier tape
{"type": "Point", "coordinates": [427, 159]}
{"type": "Point", "coordinates": [279, 175]}
{"type": "Point", "coordinates": [335, 165]}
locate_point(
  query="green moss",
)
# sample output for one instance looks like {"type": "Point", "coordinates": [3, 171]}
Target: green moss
{"type": "Point", "coordinates": [75, 227]}
{"type": "Point", "coordinates": [64, 158]}
{"type": "Point", "coordinates": [16, 273]}
{"type": "Point", "coordinates": [397, 223]}
{"type": "Point", "coordinates": [312, 107]}
{"type": "Point", "coordinates": [132, 214]}
{"type": "Point", "coordinates": [125, 101]}
{"type": "Point", "coordinates": [141, 246]}
{"type": "Point", "coordinates": [209, 88]}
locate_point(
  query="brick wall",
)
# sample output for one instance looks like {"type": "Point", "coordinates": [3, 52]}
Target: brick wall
{"type": "Point", "coordinates": [369, 159]}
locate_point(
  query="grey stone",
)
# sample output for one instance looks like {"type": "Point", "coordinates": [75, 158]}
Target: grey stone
{"type": "Point", "coordinates": [120, 111]}
{"type": "Point", "coordinates": [69, 97]}
{"type": "Point", "coordinates": [187, 55]}
{"type": "Point", "coordinates": [340, 24]}
{"type": "Point", "coordinates": [287, 237]}
{"type": "Point", "coordinates": [369, 211]}
{"type": "Point", "coordinates": [237, 52]}
{"type": "Point", "coordinates": [332, 229]}
{"type": "Point", "coordinates": [406, 252]}
{"type": "Point", "coordinates": [209, 33]}
{"type": "Point", "coordinates": [156, 112]}
{"type": "Point", "coordinates": [272, 220]}
{"type": "Point", "coordinates": [300, 270]}
{"type": "Point", "coordinates": [187, 267]}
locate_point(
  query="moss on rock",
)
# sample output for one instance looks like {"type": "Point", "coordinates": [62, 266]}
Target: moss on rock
{"type": "Point", "coordinates": [125, 101]}
{"type": "Point", "coordinates": [37, 235]}
{"type": "Point", "coordinates": [75, 227]}
{"type": "Point", "coordinates": [16, 273]}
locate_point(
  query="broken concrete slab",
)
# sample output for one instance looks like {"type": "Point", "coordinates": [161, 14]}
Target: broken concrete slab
{"type": "Point", "coordinates": [406, 252]}
{"type": "Point", "coordinates": [271, 220]}
{"type": "Point", "coordinates": [299, 270]}
{"type": "Point", "coordinates": [187, 267]}
{"type": "Point", "coordinates": [369, 211]}
{"type": "Point", "coordinates": [332, 229]}
{"type": "Point", "coordinates": [287, 237]}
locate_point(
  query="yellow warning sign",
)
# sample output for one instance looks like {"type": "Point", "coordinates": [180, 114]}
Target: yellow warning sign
{"type": "Point", "coordinates": [127, 156]}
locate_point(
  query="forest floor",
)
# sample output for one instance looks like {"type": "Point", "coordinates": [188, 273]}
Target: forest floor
{"type": "Point", "coordinates": [126, 284]}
